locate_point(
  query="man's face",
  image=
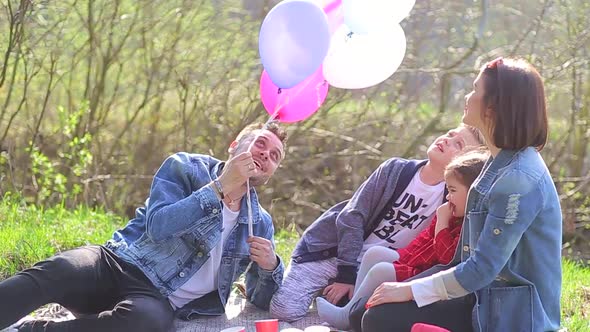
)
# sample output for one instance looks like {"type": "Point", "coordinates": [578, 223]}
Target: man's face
{"type": "Point", "coordinates": [447, 146]}
{"type": "Point", "coordinates": [267, 152]}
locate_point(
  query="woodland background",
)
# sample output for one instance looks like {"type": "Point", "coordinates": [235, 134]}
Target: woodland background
{"type": "Point", "coordinates": [95, 94]}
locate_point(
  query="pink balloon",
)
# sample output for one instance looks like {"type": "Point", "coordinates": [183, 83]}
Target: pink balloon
{"type": "Point", "coordinates": [333, 10]}
{"type": "Point", "coordinates": [297, 103]}
{"type": "Point", "coordinates": [334, 13]}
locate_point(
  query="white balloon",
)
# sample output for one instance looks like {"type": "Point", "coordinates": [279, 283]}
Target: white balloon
{"type": "Point", "coordinates": [357, 61]}
{"type": "Point", "coordinates": [364, 16]}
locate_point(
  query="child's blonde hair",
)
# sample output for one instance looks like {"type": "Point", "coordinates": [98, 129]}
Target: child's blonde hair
{"type": "Point", "coordinates": [476, 133]}
{"type": "Point", "coordinates": [467, 166]}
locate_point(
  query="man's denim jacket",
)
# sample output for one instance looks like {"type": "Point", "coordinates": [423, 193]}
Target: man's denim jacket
{"type": "Point", "coordinates": [509, 254]}
{"type": "Point", "coordinates": [171, 238]}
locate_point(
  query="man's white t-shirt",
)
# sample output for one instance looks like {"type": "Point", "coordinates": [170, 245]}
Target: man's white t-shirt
{"type": "Point", "coordinates": [412, 212]}
{"type": "Point", "coordinates": [205, 279]}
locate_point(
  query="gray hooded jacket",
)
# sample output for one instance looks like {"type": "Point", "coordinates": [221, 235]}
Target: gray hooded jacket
{"type": "Point", "coordinates": [341, 231]}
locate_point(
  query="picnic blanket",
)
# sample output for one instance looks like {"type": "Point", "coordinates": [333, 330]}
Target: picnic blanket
{"type": "Point", "coordinates": [238, 312]}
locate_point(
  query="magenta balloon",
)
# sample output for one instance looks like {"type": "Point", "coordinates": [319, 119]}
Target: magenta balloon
{"type": "Point", "coordinates": [297, 103]}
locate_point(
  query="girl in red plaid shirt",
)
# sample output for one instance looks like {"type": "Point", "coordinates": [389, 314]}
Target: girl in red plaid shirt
{"type": "Point", "coordinates": [437, 243]}
{"type": "Point", "coordinates": [434, 245]}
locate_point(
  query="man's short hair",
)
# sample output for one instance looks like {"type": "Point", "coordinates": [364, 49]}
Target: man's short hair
{"type": "Point", "coordinates": [272, 126]}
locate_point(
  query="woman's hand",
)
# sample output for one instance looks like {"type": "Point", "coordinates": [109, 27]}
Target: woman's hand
{"type": "Point", "coordinates": [389, 292]}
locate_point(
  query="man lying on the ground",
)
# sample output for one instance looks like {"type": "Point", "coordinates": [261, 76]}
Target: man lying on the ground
{"type": "Point", "coordinates": [178, 257]}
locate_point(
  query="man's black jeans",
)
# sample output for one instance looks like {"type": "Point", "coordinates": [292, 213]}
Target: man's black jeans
{"type": "Point", "coordinates": [104, 292]}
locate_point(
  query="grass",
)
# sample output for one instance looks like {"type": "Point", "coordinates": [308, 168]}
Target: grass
{"type": "Point", "coordinates": [285, 243]}
{"type": "Point", "coordinates": [575, 297]}
{"type": "Point", "coordinates": [29, 234]}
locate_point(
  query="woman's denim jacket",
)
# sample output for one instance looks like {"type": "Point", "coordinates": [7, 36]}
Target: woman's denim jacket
{"type": "Point", "coordinates": [510, 247]}
{"type": "Point", "coordinates": [171, 238]}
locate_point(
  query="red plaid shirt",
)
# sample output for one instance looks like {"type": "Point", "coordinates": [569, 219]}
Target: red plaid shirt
{"type": "Point", "coordinates": [426, 250]}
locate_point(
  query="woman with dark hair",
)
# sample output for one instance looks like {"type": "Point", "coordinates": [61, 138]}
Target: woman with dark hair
{"type": "Point", "coordinates": [506, 272]}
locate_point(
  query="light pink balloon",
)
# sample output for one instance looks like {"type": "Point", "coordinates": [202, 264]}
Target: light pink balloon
{"type": "Point", "coordinates": [333, 10]}
{"type": "Point", "coordinates": [297, 103]}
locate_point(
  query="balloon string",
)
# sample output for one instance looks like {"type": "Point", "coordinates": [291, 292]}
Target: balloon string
{"type": "Point", "coordinates": [248, 202]}
{"type": "Point", "coordinates": [250, 227]}
{"type": "Point", "coordinates": [281, 103]}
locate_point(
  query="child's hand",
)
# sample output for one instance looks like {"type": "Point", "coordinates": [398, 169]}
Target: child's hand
{"type": "Point", "coordinates": [336, 291]}
{"type": "Point", "coordinates": [443, 217]}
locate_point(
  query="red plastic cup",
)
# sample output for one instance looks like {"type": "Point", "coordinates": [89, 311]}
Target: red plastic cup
{"type": "Point", "coordinates": [234, 329]}
{"type": "Point", "coordinates": [267, 325]}
{"type": "Point", "coordinates": [421, 327]}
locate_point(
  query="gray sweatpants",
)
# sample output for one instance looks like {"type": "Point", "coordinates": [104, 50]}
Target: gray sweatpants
{"type": "Point", "coordinates": [302, 283]}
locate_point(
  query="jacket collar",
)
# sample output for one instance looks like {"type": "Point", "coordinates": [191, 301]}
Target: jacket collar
{"type": "Point", "coordinates": [492, 167]}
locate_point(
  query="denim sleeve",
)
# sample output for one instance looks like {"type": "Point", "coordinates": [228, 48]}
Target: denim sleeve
{"type": "Point", "coordinates": [178, 203]}
{"type": "Point", "coordinates": [514, 202]}
{"type": "Point", "coordinates": [262, 284]}
{"type": "Point", "coordinates": [352, 219]}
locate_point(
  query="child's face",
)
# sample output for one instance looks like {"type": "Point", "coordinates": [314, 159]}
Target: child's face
{"type": "Point", "coordinates": [457, 195]}
{"type": "Point", "coordinates": [447, 146]}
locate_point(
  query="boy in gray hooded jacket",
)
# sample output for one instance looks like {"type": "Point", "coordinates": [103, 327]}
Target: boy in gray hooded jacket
{"type": "Point", "coordinates": [389, 209]}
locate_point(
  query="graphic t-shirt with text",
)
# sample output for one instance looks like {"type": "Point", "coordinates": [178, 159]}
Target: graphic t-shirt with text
{"type": "Point", "coordinates": [411, 212]}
